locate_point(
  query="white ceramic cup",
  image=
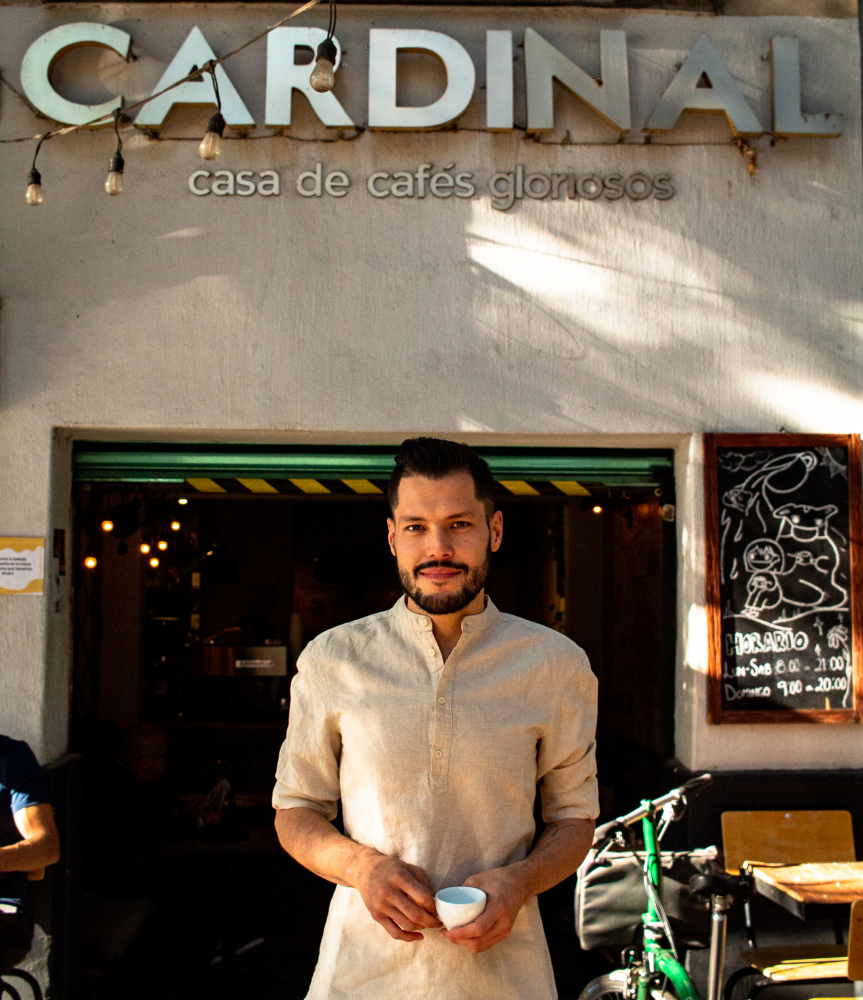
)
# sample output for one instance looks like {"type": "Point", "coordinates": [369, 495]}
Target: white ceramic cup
{"type": "Point", "coordinates": [459, 905]}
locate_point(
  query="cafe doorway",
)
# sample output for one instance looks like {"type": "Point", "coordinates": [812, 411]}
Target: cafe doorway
{"type": "Point", "coordinates": [200, 574]}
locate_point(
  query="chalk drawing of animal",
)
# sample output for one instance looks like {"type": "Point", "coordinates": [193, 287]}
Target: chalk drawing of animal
{"type": "Point", "coordinates": [764, 560]}
{"type": "Point", "coordinates": [751, 501]}
{"type": "Point", "coordinates": [809, 579]}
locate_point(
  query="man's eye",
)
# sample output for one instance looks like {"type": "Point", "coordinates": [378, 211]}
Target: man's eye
{"type": "Point", "coordinates": [414, 527]}
{"type": "Point", "coordinates": [461, 524]}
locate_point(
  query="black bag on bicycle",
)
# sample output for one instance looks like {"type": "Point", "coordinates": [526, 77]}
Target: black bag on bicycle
{"type": "Point", "coordinates": [610, 897]}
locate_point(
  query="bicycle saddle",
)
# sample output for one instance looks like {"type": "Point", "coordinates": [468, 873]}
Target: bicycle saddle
{"type": "Point", "coordinates": [720, 884]}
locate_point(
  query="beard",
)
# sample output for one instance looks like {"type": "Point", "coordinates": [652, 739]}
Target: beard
{"type": "Point", "coordinates": [445, 603]}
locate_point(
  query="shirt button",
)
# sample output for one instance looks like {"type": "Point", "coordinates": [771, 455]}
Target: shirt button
{"type": "Point", "coordinates": [439, 753]}
{"type": "Point", "coordinates": [430, 651]}
{"type": "Point", "coordinates": [442, 701]}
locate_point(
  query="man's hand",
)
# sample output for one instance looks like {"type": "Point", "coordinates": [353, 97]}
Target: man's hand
{"type": "Point", "coordinates": [557, 854]}
{"type": "Point", "coordinates": [398, 896]}
{"type": "Point", "coordinates": [507, 892]}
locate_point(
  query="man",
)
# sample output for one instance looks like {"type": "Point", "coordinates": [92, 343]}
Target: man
{"type": "Point", "coordinates": [433, 723]}
{"type": "Point", "coordinates": [28, 841]}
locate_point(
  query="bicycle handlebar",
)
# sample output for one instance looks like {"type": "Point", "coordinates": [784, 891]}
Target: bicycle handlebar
{"type": "Point", "coordinates": [699, 781]}
{"type": "Point", "coordinates": [673, 796]}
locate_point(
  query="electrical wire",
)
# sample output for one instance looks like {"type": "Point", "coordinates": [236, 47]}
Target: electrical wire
{"type": "Point", "coordinates": [332, 26]}
{"type": "Point", "coordinates": [119, 149]}
{"type": "Point", "coordinates": [38, 147]}
{"type": "Point", "coordinates": [211, 68]}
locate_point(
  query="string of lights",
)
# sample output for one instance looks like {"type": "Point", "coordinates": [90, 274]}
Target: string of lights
{"type": "Point", "coordinates": [322, 80]}
{"type": "Point", "coordinates": [210, 146]}
{"type": "Point", "coordinates": [357, 131]}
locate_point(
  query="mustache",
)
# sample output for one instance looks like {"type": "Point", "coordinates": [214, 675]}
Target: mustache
{"type": "Point", "coordinates": [442, 563]}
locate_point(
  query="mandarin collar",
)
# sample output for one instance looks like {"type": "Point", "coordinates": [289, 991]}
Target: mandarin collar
{"type": "Point", "coordinates": [422, 622]}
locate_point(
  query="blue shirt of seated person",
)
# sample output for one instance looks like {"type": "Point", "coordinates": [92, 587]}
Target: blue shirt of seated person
{"type": "Point", "coordinates": [22, 784]}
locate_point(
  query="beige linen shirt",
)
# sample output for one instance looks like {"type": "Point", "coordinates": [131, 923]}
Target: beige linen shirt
{"type": "Point", "coordinates": [437, 764]}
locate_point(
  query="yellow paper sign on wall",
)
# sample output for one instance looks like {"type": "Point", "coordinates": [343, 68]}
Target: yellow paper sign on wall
{"type": "Point", "coordinates": [22, 563]}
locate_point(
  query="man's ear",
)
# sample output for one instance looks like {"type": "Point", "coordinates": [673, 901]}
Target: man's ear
{"type": "Point", "coordinates": [391, 534]}
{"type": "Point", "coordinates": [495, 528]}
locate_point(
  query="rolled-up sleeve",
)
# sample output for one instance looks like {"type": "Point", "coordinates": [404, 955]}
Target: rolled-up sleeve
{"type": "Point", "coordinates": [566, 757]}
{"type": "Point", "coordinates": [308, 770]}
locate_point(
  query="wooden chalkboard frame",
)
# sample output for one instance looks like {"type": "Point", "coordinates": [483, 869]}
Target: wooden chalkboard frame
{"type": "Point", "coordinates": [715, 713]}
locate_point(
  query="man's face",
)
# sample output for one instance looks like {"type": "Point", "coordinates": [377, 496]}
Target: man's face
{"type": "Point", "coordinates": [442, 539]}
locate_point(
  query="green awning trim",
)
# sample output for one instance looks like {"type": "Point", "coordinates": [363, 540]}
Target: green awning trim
{"type": "Point", "coordinates": [175, 463]}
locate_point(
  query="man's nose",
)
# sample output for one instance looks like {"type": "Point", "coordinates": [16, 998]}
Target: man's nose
{"type": "Point", "coordinates": [438, 544]}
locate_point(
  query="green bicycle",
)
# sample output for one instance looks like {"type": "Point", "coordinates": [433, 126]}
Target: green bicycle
{"type": "Point", "coordinates": [654, 971]}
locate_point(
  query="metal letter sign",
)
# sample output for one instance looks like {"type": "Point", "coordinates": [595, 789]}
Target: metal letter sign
{"type": "Point", "coordinates": [384, 45]}
{"type": "Point", "coordinates": [609, 99]}
{"type": "Point", "coordinates": [284, 76]}
{"type": "Point", "coordinates": [723, 96]}
{"type": "Point", "coordinates": [787, 117]}
{"type": "Point", "coordinates": [195, 51]}
{"type": "Point", "coordinates": [47, 49]}
{"type": "Point", "coordinates": [499, 113]}
{"type": "Point", "coordinates": [608, 96]}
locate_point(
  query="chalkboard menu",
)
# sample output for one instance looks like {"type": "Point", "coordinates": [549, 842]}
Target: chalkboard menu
{"type": "Point", "coordinates": [784, 570]}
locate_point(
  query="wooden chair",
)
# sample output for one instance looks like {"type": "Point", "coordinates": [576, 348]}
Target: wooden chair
{"type": "Point", "coordinates": [791, 838]}
{"type": "Point", "coordinates": [787, 838]}
{"type": "Point", "coordinates": [813, 963]}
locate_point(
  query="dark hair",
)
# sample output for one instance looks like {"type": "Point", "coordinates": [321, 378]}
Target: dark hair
{"type": "Point", "coordinates": [435, 458]}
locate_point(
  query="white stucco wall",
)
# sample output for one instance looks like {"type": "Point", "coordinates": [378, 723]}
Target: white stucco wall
{"type": "Point", "coordinates": [734, 306]}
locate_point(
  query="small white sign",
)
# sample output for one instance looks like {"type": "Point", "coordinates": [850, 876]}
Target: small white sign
{"type": "Point", "coordinates": [21, 565]}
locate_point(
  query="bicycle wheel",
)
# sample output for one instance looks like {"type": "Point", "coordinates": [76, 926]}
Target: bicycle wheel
{"type": "Point", "coordinates": [610, 987]}
{"type": "Point", "coordinates": [607, 987]}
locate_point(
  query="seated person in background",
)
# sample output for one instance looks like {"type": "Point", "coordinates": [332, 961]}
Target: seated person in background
{"type": "Point", "coordinates": [28, 841]}
{"type": "Point", "coordinates": [130, 812]}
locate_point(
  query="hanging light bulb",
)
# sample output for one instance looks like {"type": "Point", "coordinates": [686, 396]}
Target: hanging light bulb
{"type": "Point", "coordinates": [145, 549]}
{"type": "Point", "coordinates": [597, 509]}
{"type": "Point", "coordinates": [114, 180]}
{"type": "Point", "coordinates": [162, 546]}
{"type": "Point", "coordinates": [107, 526]}
{"type": "Point", "coordinates": [90, 562]}
{"type": "Point", "coordinates": [154, 563]}
{"type": "Point", "coordinates": [175, 525]}
{"type": "Point", "coordinates": [211, 144]}
{"type": "Point", "coordinates": [323, 77]}
{"type": "Point", "coordinates": [34, 178]}
{"type": "Point", "coordinates": [182, 501]}
{"type": "Point", "coordinates": [34, 188]}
